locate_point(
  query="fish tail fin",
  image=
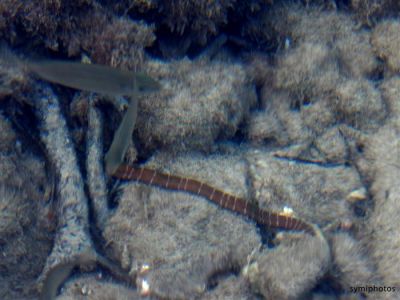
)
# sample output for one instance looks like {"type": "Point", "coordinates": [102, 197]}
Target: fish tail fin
{"type": "Point", "coordinates": [10, 59]}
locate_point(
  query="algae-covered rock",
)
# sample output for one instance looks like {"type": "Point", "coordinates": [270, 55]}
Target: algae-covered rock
{"type": "Point", "coordinates": [386, 42]}
{"type": "Point", "coordinates": [315, 192]}
{"type": "Point", "coordinates": [199, 104]}
{"type": "Point", "coordinates": [291, 270]}
{"type": "Point", "coordinates": [26, 226]}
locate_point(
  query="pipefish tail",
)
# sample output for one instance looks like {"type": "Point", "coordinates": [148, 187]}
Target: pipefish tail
{"type": "Point", "coordinates": [224, 200]}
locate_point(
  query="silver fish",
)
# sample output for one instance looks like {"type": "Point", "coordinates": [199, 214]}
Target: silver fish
{"type": "Point", "coordinates": [103, 80]}
{"type": "Point", "coordinates": [93, 78]}
{"type": "Point", "coordinates": [86, 77]}
{"type": "Point", "coordinates": [120, 143]}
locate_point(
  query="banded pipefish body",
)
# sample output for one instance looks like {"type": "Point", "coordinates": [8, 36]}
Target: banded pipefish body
{"type": "Point", "coordinates": [222, 199]}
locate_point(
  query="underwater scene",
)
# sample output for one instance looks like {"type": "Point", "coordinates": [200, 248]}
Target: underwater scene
{"type": "Point", "coordinates": [199, 149]}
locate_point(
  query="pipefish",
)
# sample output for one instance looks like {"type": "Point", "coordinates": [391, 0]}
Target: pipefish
{"type": "Point", "coordinates": [222, 199]}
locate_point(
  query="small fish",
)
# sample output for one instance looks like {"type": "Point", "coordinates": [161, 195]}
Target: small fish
{"type": "Point", "coordinates": [93, 78]}
{"type": "Point", "coordinates": [120, 143]}
{"type": "Point", "coordinates": [86, 77]}
{"type": "Point", "coordinates": [103, 80]}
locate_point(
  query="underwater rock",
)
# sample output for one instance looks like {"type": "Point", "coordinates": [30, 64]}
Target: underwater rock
{"type": "Point", "coordinates": [382, 152]}
{"type": "Point", "coordinates": [70, 27]}
{"type": "Point", "coordinates": [370, 11]}
{"type": "Point", "coordinates": [321, 79]}
{"type": "Point", "coordinates": [316, 193]}
{"type": "Point", "coordinates": [230, 287]}
{"type": "Point", "coordinates": [332, 145]}
{"type": "Point", "coordinates": [94, 287]}
{"type": "Point", "coordinates": [26, 228]}
{"type": "Point", "coordinates": [13, 81]}
{"type": "Point", "coordinates": [198, 104]}
{"type": "Point", "coordinates": [386, 42]}
{"type": "Point", "coordinates": [359, 104]}
{"type": "Point", "coordinates": [390, 89]}
{"type": "Point", "coordinates": [291, 270]}
{"type": "Point", "coordinates": [72, 239]}
{"type": "Point", "coordinates": [352, 267]}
